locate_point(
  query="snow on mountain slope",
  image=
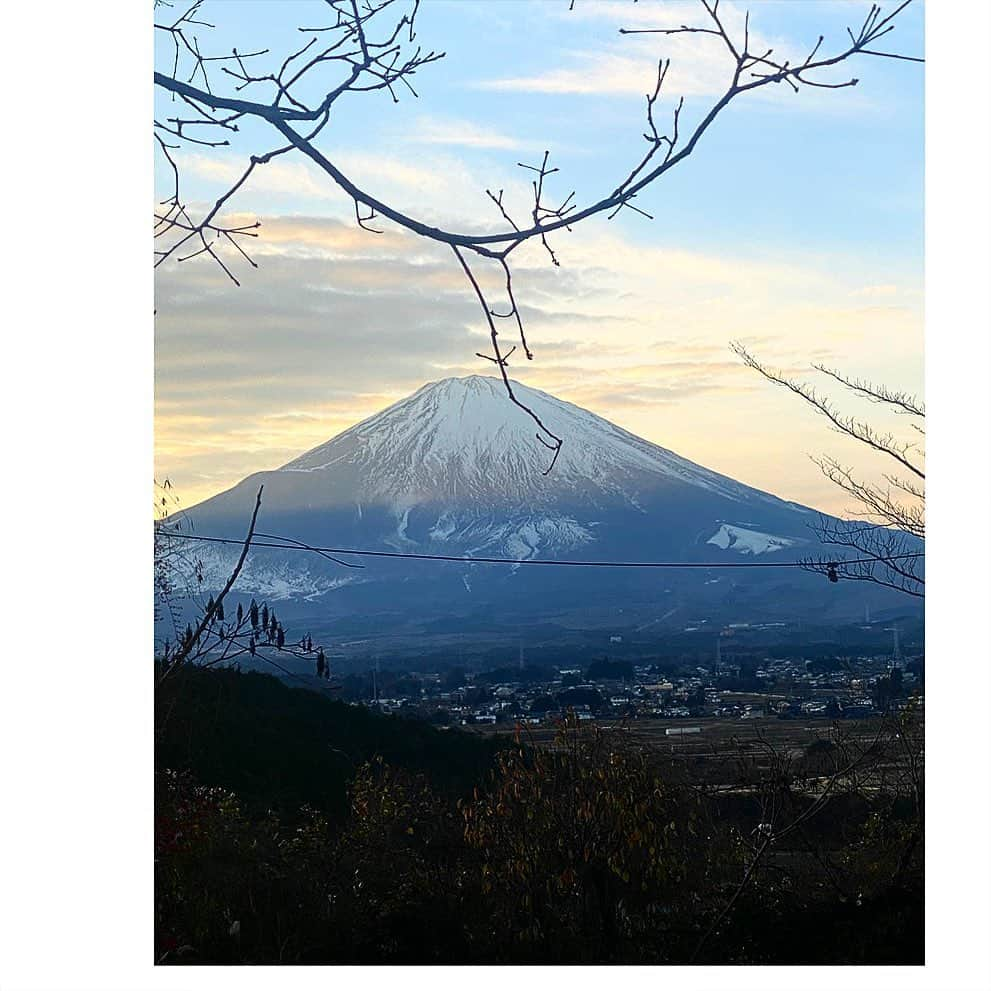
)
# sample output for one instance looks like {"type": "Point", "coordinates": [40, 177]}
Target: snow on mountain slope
{"type": "Point", "coordinates": [275, 578]}
{"type": "Point", "coordinates": [461, 439]}
{"type": "Point", "coordinates": [748, 541]}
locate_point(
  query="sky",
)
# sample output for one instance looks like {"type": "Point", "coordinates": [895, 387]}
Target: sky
{"type": "Point", "coordinates": [796, 226]}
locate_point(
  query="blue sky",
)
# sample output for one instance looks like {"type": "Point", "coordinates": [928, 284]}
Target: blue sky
{"type": "Point", "coordinates": [797, 224]}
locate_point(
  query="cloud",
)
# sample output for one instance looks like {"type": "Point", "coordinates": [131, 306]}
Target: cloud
{"type": "Point", "coordinates": [300, 178]}
{"type": "Point", "coordinates": [462, 133]}
{"type": "Point", "coordinates": [281, 177]}
{"type": "Point", "coordinates": [440, 188]}
{"type": "Point", "coordinates": [700, 63]}
{"type": "Point", "coordinates": [321, 320]}
{"type": "Point", "coordinates": [615, 72]}
{"type": "Point", "coordinates": [885, 291]}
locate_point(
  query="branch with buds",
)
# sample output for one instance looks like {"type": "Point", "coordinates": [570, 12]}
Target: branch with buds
{"type": "Point", "coordinates": [893, 510]}
{"type": "Point", "coordinates": [218, 638]}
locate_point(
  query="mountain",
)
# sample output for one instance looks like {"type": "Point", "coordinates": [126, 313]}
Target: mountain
{"type": "Point", "coordinates": [456, 469]}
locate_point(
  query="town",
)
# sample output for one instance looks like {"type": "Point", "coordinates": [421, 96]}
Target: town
{"type": "Point", "coordinates": [613, 690]}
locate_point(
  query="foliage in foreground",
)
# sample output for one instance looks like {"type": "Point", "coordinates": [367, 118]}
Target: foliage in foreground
{"type": "Point", "coordinates": [583, 851]}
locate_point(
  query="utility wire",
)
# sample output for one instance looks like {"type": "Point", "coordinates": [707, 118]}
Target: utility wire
{"type": "Point", "coordinates": [284, 543]}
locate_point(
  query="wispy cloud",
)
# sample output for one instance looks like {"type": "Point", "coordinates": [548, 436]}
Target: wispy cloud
{"type": "Point", "coordinates": [460, 133]}
{"type": "Point", "coordinates": [298, 178]}
{"type": "Point", "coordinates": [429, 181]}
{"type": "Point", "coordinates": [700, 64]}
{"type": "Point", "coordinates": [279, 177]}
{"type": "Point", "coordinates": [617, 71]}
{"type": "Point", "coordinates": [884, 291]}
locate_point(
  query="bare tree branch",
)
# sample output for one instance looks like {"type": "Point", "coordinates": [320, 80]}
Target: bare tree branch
{"type": "Point", "coordinates": [857, 429]}
{"type": "Point", "coordinates": [878, 393]}
{"type": "Point", "coordinates": [885, 542]}
{"type": "Point", "coordinates": [184, 649]}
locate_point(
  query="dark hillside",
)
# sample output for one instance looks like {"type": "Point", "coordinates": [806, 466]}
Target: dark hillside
{"type": "Point", "coordinates": [281, 747]}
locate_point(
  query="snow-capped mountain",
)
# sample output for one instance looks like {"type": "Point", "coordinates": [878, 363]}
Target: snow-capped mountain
{"type": "Point", "coordinates": [460, 440]}
{"type": "Point", "coordinates": [457, 469]}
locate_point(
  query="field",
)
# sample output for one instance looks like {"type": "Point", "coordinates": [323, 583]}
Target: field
{"type": "Point", "coordinates": [723, 751]}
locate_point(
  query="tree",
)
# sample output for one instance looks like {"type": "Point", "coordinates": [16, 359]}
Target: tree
{"type": "Point", "coordinates": [542, 704]}
{"type": "Point", "coordinates": [368, 45]}
{"type": "Point", "coordinates": [885, 540]}
{"type": "Point", "coordinates": [581, 695]}
{"type": "Point", "coordinates": [606, 670]}
{"type": "Point", "coordinates": [213, 640]}
{"type": "Point", "coordinates": [575, 842]}
{"type": "Point", "coordinates": [174, 566]}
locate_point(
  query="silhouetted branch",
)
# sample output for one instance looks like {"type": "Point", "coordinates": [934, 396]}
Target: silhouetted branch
{"type": "Point", "coordinates": [218, 638]}
{"type": "Point", "coordinates": [878, 393]}
{"type": "Point", "coordinates": [183, 651]}
{"type": "Point", "coordinates": [500, 359]}
{"type": "Point", "coordinates": [857, 429]}
{"type": "Point", "coordinates": [893, 524]}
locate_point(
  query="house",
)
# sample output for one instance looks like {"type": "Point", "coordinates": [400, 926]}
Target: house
{"type": "Point", "coordinates": [753, 712]}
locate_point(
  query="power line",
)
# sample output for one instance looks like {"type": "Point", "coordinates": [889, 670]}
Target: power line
{"type": "Point", "coordinates": [284, 543]}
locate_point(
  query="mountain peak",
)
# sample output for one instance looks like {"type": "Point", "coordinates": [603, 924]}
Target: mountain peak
{"type": "Point", "coordinates": [465, 381]}
{"type": "Point", "coordinates": [473, 385]}
{"type": "Point", "coordinates": [460, 438]}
